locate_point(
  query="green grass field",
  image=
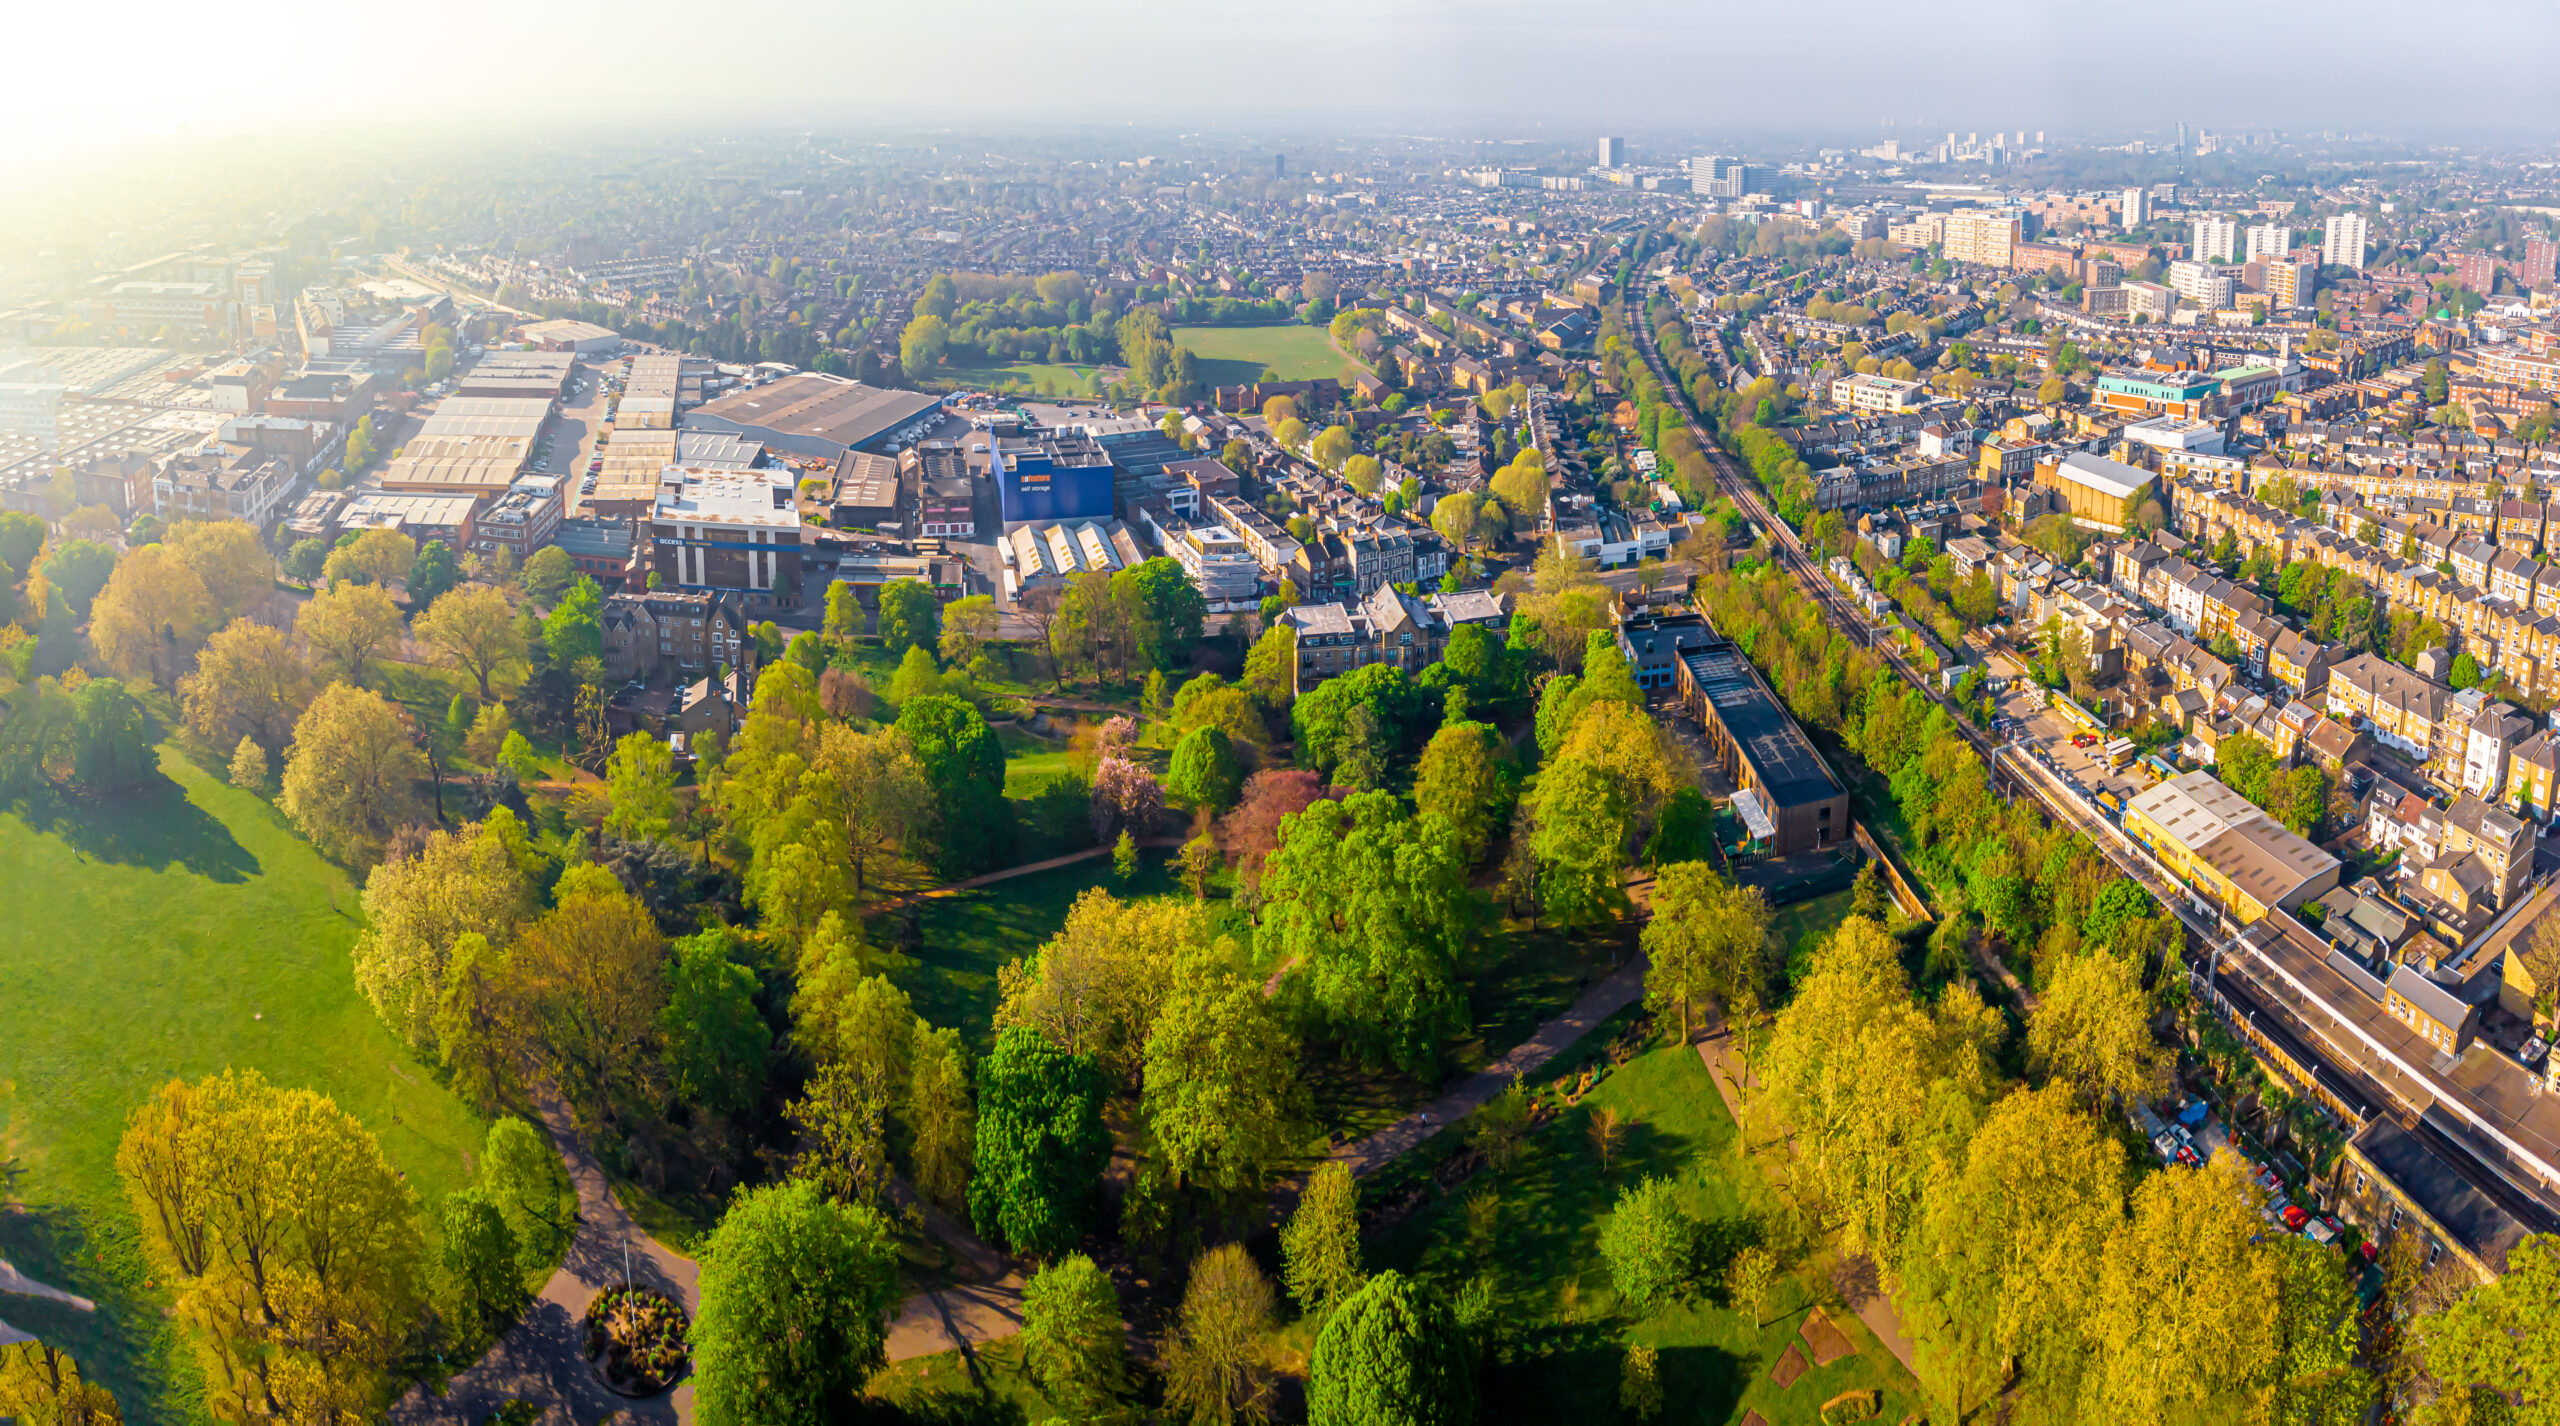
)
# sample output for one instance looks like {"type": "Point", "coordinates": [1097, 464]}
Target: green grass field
{"type": "Point", "coordinates": [1037, 377]}
{"type": "Point", "coordinates": [965, 938]}
{"type": "Point", "coordinates": [1234, 356]}
{"type": "Point", "coordinates": [1796, 930]}
{"type": "Point", "coordinates": [1567, 1330]}
{"type": "Point", "coordinates": [183, 929]}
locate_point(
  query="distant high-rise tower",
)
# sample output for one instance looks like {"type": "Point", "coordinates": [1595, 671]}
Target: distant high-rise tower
{"type": "Point", "coordinates": [2215, 238]}
{"type": "Point", "coordinates": [1279, 165]}
{"type": "Point", "coordinates": [2182, 136]}
{"type": "Point", "coordinates": [2269, 240]}
{"type": "Point", "coordinates": [1613, 152]}
{"type": "Point", "coordinates": [2133, 208]}
{"type": "Point", "coordinates": [1717, 176]}
{"type": "Point", "coordinates": [2541, 257]}
{"type": "Point", "coordinates": [2343, 240]}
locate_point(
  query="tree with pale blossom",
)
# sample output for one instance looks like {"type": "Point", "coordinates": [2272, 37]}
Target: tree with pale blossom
{"type": "Point", "coordinates": [1118, 732]}
{"type": "Point", "coordinates": [1126, 797]}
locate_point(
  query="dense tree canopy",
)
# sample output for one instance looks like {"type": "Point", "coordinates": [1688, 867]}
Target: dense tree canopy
{"type": "Point", "coordinates": [796, 1298]}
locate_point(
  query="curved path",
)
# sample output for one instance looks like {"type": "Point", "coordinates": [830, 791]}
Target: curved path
{"type": "Point", "coordinates": [14, 1281]}
{"type": "Point", "coordinates": [542, 1359]}
{"type": "Point", "coordinates": [961, 1315]}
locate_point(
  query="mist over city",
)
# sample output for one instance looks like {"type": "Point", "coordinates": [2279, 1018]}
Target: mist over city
{"type": "Point", "coordinates": [1370, 715]}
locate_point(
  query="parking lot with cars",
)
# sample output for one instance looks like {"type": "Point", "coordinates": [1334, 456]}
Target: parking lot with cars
{"type": "Point", "coordinates": [2080, 756]}
{"type": "Point", "coordinates": [569, 447]}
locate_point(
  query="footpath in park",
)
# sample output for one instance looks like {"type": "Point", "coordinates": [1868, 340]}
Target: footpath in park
{"type": "Point", "coordinates": [542, 1359]}
{"type": "Point", "coordinates": [19, 1284]}
{"type": "Point", "coordinates": [962, 1315]}
{"type": "Point", "coordinates": [1622, 988]}
{"type": "Point", "coordinates": [908, 898]}
{"type": "Point", "coordinates": [1873, 1301]}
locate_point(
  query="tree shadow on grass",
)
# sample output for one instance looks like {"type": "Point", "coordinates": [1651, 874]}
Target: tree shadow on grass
{"type": "Point", "coordinates": [127, 1345]}
{"type": "Point", "coordinates": [153, 826]}
{"type": "Point", "coordinates": [941, 1408]}
{"type": "Point", "coordinates": [1570, 1371]}
{"type": "Point", "coordinates": [1551, 1207]}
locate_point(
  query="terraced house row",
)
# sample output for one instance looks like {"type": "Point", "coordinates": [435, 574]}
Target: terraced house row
{"type": "Point", "coordinates": [2501, 603]}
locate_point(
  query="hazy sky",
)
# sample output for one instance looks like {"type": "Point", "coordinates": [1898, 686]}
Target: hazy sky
{"type": "Point", "coordinates": [94, 73]}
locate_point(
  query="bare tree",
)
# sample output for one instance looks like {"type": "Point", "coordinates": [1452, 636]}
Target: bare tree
{"type": "Point", "coordinates": [1038, 607]}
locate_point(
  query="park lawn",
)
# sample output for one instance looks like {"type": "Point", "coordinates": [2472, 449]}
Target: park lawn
{"type": "Point", "coordinates": [1566, 1328]}
{"type": "Point", "coordinates": [1237, 356]}
{"type": "Point", "coordinates": [940, 1388]}
{"type": "Point", "coordinates": [1518, 979]}
{"type": "Point", "coordinates": [1042, 377]}
{"type": "Point", "coordinates": [1798, 929]}
{"type": "Point", "coordinates": [965, 937]}
{"type": "Point", "coordinates": [181, 930]}
{"type": "Point", "coordinates": [1030, 759]}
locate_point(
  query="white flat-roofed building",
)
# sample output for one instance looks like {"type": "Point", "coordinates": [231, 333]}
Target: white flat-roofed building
{"type": "Point", "coordinates": [1215, 557]}
{"type": "Point", "coordinates": [218, 483]}
{"type": "Point", "coordinates": [2215, 237]}
{"type": "Point", "coordinates": [1865, 391]}
{"type": "Point", "coordinates": [31, 407]}
{"type": "Point", "coordinates": [566, 335]}
{"type": "Point", "coordinates": [2177, 433]}
{"type": "Point", "coordinates": [726, 529]}
{"type": "Point", "coordinates": [2203, 284]}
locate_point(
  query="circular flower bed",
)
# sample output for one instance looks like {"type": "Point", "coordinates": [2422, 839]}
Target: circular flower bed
{"type": "Point", "coordinates": [636, 1339]}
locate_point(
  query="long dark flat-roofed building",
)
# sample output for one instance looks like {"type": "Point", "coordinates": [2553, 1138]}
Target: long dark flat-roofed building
{"type": "Point", "coordinates": [1787, 794]}
{"type": "Point", "coordinates": [811, 413]}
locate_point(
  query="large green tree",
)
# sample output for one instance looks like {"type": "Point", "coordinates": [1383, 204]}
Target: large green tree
{"type": "Point", "coordinates": [1373, 904]}
{"type": "Point", "coordinates": [1391, 1355]}
{"type": "Point", "coordinates": [910, 617]}
{"type": "Point", "coordinates": [1359, 729]}
{"type": "Point", "coordinates": [641, 774]}
{"type": "Point", "coordinates": [2003, 1260]}
{"type": "Point", "coordinates": [1072, 1337]}
{"type": "Point", "coordinates": [282, 1234]}
{"type": "Point", "coordinates": [796, 1297]}
{"type": "Point", "coordinates": [964, 765]}
{"type": "Point", "coordinates": [716, 1039]}
{"type": "Point", "coordinates": [1042, 1145]}
{"type": "Point", "coordinates": [1205, 770]}
{"type": "Point", "coordinates": [1707, 937]}
{"type": "Point", "coordinates": [1320, 1244]}
{"type": "Point", "coordinates": [110, 738]}
{"type": "Point", "coordinates": [1651, 1244]}
{"type": "Point", "coordinates": [2091, 1029]}
{"type": "Point", "coordinates": [1463, 782]}
{"type": "Point", "coordinates": [1167, 610]}
{"type": "Point", "coordinates": [1222, 1101]}
{"type": "Point", "coordinates": [2504, 1337]}
{"type": "Point", "coordinates": [78, 570]}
